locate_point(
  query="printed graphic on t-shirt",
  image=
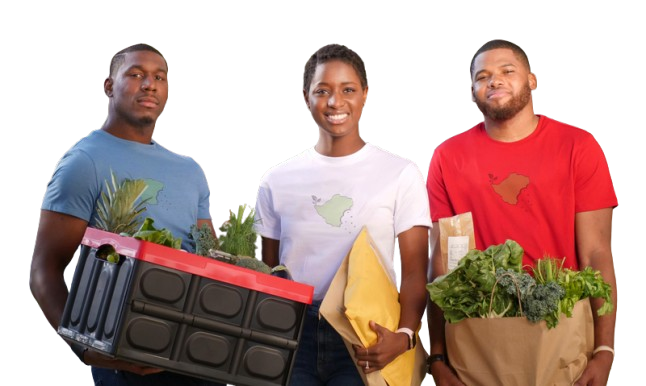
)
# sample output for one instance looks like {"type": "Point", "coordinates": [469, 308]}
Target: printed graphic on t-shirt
{"type": "Point", "coordinates": [152, 190]}
{"type": "Point", "coordinates": [332, 210]}
{"type": "Point", "coordinates": [510, 188]}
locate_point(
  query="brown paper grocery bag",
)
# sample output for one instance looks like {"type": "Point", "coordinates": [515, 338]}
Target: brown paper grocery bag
{"type": "Point", "coordinates": [334, 311]}
{"type": "Point", "coordinates": [515, 351]}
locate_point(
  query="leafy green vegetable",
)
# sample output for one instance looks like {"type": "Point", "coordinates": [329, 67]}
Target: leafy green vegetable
{"type": "Point", "coordinates": [583, 284]}
{"type": "Point", "coordinates": [518, 286]}
{"type": "Point", "coordinates": [493, 284]}
{"type": "Point", "coordinates": [252, 263]}
{"type": "Point", "coordinates": [466, 291]}
{"type": "Point", "coordinates": [544, 303]}
{"type": "Point", "coordinates": [148, 232]}
{"type": "Point", "coordinates": [238, 236]}
{"type": "Point", "coordinates": [236, 245]}
{"type": "Point", "coordinates": [205, 239]}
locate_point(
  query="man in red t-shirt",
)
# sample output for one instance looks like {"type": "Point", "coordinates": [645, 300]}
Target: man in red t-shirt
{"type": "Point", "coordinates": [524, 177]}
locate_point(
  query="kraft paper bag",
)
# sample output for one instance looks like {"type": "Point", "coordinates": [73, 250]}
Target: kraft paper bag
{"type": "Point", "coordinates": [515, 351]}
{"type": "Point", "coordinates": [362, 291]}
{"type": "Point", "coordinates": [457, 238]}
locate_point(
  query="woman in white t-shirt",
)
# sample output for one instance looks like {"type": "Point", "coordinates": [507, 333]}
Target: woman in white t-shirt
{"type": "Point", "coordinates": [311, 208]}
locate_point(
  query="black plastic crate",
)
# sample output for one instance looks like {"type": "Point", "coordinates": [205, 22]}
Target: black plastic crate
{"type": "Point", "coordinates": [184, 313]}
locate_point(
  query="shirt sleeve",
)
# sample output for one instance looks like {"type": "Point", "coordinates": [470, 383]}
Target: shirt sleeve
{"type": "Point", "coordinates": [412, 203]}
{"type": "Point", "coordinates": [593, 184]}
{"type": "Point", "coordinates": [267, 221]}
{"type": "Point", "coordinates": [438, 197]}
{"type": "Point", "coordinates": [74, 187]}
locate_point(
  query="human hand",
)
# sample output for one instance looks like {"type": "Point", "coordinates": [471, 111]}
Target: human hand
{"type": "Point", "coordinates": [96, 359]}
{"type": "Point", "coordinates": [597, 371]}
{"type": "Point", "coordinates": [443, 375]}
{"type": "Point", "coordinates": [388, 347]}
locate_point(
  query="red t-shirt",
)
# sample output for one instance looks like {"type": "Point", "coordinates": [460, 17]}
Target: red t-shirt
{"type": "Point", "coordinates": [528, 191]}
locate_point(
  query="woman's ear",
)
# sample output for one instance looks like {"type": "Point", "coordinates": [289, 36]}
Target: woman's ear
{"type": "Point", "coordinates": [365, 95]}
{"type": "Point", "coordinates": [307, 99]}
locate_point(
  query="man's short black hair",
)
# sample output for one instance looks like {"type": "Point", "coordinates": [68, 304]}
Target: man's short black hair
{"type": "Point", "coordinates": [334, 52]}
{"type": "Point", "coordinates": [495, 44]}
{"type": "Point", "coordinates": [119, 57]}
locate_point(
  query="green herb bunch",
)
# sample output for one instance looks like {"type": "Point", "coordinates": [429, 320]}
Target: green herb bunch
{"type": "Point", "coordinates": [236, 244]}
{"type": "Point", "coordinates": [493, 283]}
{"type": "Point", "coordinates": [238, 236]}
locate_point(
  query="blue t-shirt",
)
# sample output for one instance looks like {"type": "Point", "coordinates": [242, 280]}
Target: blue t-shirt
{"type": "Point", "coordinates": [177, 188]}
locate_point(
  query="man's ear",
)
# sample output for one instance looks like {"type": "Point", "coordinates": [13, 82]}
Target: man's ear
{"type": "Point", "coordinates": [533, 83]}
{"type": "Point", "coordinates": [473, 95]}
{"type": "Point", "coordinates": [107, 87]}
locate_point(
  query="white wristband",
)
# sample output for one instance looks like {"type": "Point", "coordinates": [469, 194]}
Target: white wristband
{"type": "Point", "coordinates": [412, 339]}
{"type": "Point", "coordinates": [604, 348]}
{"type": "Point", "coordinates": [406, 331]}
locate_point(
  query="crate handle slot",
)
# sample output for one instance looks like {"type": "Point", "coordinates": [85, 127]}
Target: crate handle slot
{"type": "Point", "coordinates": [108, 253]}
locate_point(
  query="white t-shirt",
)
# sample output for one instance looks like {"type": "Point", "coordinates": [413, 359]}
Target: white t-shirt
{"type": "Point", "coordinates": [317, 205]}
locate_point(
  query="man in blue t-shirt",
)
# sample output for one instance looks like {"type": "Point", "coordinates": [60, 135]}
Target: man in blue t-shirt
{"type": "Point", "coordinates": [177, 196]}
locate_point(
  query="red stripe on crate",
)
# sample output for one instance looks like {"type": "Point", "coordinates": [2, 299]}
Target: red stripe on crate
{"type": "Point", "coordinates": [201, 266]}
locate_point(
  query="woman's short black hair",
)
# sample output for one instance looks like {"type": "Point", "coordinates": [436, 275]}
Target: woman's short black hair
{"type": "Point", "coordinates": [334, 52]}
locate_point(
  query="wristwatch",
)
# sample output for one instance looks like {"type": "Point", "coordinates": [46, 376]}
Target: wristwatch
{"type": "Point", "coordinates": [436, 358]}
{"type": "Point", "coordinates": [412, 339]}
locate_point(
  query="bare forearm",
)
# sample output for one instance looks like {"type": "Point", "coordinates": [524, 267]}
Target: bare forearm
{"type": "Point", "coordinates": [604, 326]}
{"type": "Point", "coordinates": [50, 291]}
{"type": "Point", "coordinates": [436, 330]}
{"type": "Point", "coordinates": [413, 296]}
{"type": "Point", "coordinates": [413, 246]}
{"type": "Point", "coordinates": [593, 235]}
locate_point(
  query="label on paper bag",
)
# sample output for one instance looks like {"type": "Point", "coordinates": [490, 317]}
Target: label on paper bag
{"type": "Point", "coordinates": [456, 240]}
{"type": "Point", "coordinates": [458, 248]}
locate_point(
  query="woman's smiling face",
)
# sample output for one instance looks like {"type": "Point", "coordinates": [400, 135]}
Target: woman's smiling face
{"type": "Point", "coordinates": [335, 98]}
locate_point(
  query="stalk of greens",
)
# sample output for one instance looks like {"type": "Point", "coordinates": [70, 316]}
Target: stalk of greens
{"type": "Point", "coordinates": [238, 236]}
{"type": "Point", "coordinates": [492, 283]}
{"type": "Point", "coordinates": [236, 244]}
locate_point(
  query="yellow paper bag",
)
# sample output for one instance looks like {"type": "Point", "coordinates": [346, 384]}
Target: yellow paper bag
{"type": "Point", "coordinates": [371, 295]}
{"type": "Point", "coordinates": [333, 310]}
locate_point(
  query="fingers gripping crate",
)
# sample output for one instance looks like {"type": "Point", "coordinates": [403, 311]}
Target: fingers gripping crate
{"type": "Point", "coordinates": [185, 313]}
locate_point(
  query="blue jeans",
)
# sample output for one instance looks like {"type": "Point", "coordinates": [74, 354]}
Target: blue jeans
{"type": "Point", "coordinates": [107, 377]}
{"type": "Point", "coordinates": [322, 358]}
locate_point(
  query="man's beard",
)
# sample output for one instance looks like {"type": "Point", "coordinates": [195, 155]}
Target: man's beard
{"type": "Point", "coordinates": [141, 121]}
{"type": "Point", "coordinates": [146, 121]}
{"type": "Point", "coordinates": [510, 109]}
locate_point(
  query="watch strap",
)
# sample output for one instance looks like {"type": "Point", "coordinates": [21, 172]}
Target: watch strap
{"type": "Point", "coordinates": [436, 358]}
{"type": "Point", "coordinates": [412, 341]}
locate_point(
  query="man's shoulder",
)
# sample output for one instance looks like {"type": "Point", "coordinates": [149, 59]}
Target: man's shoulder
{"type": "Point", "coordinates": [462, 139]}
{"type": "Point", "coordinates": [94, 138]}
{"type": "Point", "coordinates": [565, 130]}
